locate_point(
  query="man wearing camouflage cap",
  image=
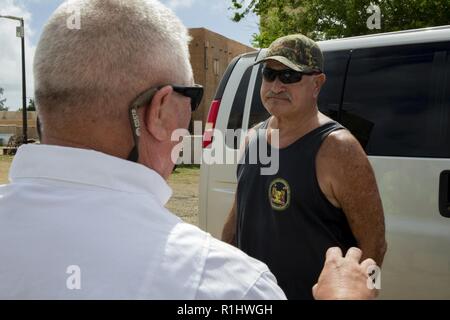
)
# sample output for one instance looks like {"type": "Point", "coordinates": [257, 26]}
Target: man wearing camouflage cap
{"type": "Point", "coordinates": [324, 193]}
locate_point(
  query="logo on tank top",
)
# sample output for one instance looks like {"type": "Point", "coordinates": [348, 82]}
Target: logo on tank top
{"type": "Point", "coordinates": [279, 194]}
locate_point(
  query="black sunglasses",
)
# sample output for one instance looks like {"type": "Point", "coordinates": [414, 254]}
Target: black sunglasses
{"type": "Point", "coordinates": [195, 93]}
{"type": "Point", "coordinates": [286, 76]}
{"type": "Point", "coordinates": [144, 99]}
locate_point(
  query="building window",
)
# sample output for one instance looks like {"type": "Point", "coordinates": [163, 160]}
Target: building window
{"type": "Point", "coordinates": [216, 67]}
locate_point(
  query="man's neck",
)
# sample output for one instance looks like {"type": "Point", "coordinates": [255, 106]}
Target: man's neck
{"type": "Point", "coordinates": [293, 128]}
{"type": "Point", "coordinates": [297, 124]}
{"type": "Point", "coordinates": [156, 158]}
{"type": "Point", "coordinates": [88, 145]}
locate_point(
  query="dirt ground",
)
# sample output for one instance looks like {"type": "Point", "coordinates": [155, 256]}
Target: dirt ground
{"type": "Point", "coordinates": [184, 202]}
{"type": "Point", "coordinates": [5, 163]}
{"type": "Point", "coordinates": [184, 183]}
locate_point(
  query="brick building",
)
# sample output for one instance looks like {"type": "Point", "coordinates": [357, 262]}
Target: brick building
{"type": "Point", "coordinates": [210, 55]}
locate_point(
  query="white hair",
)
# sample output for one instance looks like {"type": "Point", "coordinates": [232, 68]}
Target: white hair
{"type": "Point", "coordinates": [121, 48]}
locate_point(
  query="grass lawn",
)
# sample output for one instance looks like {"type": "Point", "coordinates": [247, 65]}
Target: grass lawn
{"type": "Point", "coordinates": [184, 182]}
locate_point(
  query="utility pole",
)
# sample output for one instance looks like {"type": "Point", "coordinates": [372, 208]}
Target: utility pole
{"type": "Point", "coordinates": [20, 33]}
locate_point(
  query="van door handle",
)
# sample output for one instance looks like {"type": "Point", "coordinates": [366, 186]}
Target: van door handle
{"type": "Point", "coordinates": [444, 193]}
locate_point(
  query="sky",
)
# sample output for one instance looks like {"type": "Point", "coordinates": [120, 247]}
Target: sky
{"type": "Point", "coordinates": [210, 14]}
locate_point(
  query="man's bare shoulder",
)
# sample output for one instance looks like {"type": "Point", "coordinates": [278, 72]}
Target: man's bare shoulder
{"type": "Point", "coordinates": [342, 147]}
{"type": "Point", "coordinates": [341, 161]}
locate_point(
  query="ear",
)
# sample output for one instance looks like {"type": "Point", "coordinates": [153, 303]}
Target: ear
{"type": "Point", "coordinates": [154, 122]}
{"type": "Point", "coordinates": [319, 81]}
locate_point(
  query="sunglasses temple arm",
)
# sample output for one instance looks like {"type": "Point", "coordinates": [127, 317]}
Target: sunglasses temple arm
{"type": "Point", "coordinates": [145, 99]}
{"type": "Point", "coordinates": [135, 129]}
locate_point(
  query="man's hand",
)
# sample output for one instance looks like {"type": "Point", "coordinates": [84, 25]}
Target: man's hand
{"type": "Point", "coordinates": [344, 278]}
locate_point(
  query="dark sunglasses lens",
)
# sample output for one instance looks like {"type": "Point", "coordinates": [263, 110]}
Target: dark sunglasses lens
{"type": "Point", "coordinates": [285, 76]}
{"type": "Point", "coordinates": [196, 97]}
{"type": "Point", "coordinates": [195, 93]}
{"type": "Point", "coordinates": [269, 74]}
{"type": "Point", "coordinates": [290, 76]}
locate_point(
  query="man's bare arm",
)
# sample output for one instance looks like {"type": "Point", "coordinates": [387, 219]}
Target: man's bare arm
{"type": "Point", "coordinates": [352, 183]}
{"type": "Point", "coordinates": [229, 229]}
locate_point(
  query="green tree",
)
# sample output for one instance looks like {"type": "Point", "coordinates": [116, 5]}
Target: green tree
{"type": "Point", "coordinates": [330, 19]}
{"type": "Point", "coordinates": [31, 106]}
{"type": "Point", "coordinates": [2, 101]}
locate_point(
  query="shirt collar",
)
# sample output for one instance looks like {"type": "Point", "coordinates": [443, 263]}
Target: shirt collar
{"type": "Point", "coordinates": [87, 167]}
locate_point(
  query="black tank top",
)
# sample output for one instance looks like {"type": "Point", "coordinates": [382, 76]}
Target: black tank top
{"type": "Point", "coordinates": [284, 219]}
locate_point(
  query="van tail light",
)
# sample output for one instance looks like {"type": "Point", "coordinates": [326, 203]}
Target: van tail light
{"type": "Point", "coordinates": [211, 123]}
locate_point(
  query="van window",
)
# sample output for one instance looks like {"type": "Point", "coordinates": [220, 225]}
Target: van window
{"type": "Point", "coordinates": [335, 64]}
{"type": "Point", "coordinates": [257, 112]}
{"type": "Point", "coordinates": [395, 100]}
{"type": "Point", "coordinates": [237, 108]}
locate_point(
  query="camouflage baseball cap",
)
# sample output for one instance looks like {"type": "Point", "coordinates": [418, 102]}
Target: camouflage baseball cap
{"type": "Point", "coordinates": [297, 52]}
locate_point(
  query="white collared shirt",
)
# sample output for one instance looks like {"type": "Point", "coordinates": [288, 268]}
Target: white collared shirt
{"type": "Point", "coordinates": [80, 224]}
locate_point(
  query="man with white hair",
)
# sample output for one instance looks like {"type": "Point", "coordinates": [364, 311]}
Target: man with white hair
{"type": "Point", "coordinates": [84, 216]}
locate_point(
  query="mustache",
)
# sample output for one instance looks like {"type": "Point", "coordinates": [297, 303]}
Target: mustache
{"type": "Point", "coordinates": [282, 95]}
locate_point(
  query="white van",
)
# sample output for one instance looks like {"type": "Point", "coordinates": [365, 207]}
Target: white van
{"type": "Point", "coordinates": [392, 91]}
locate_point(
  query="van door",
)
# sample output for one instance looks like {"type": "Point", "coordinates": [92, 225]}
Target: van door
{"type": "Point", "coordinates": [397, 104]}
